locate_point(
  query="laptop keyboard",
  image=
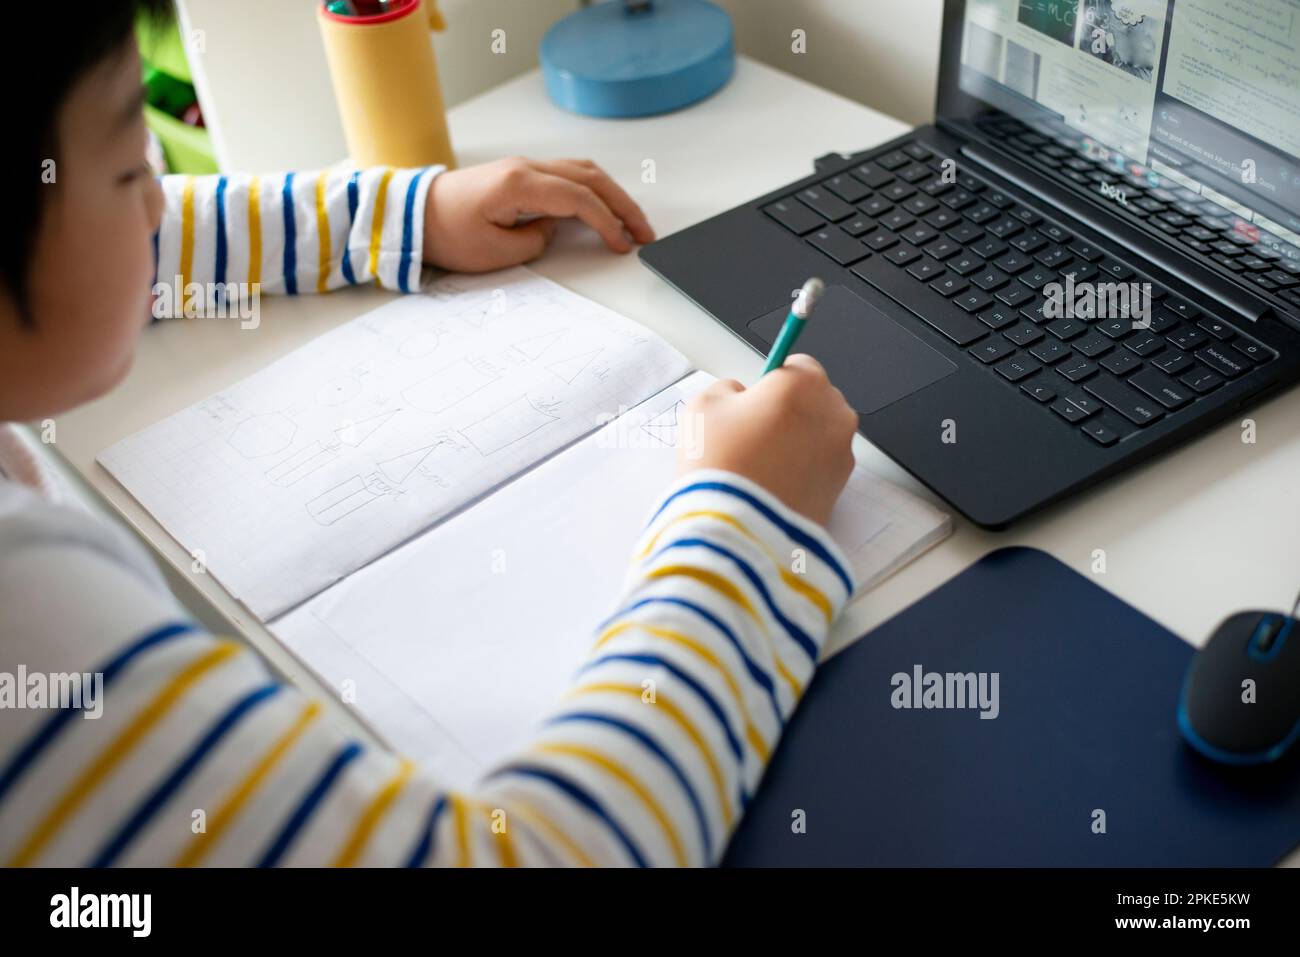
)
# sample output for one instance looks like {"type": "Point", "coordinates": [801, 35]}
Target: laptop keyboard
{"type": "Point", "coordinates": [989, 256]}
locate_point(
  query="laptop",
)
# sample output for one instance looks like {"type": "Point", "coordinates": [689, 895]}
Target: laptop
{"type": "Point", "coordinates": [1092, 256]}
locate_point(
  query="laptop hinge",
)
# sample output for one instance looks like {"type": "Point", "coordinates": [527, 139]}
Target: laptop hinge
{"type": "Point", "coordinates": [1241, 302]}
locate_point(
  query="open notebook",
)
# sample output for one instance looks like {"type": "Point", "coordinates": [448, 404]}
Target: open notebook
{"type": "Point", "coordinates": [434, 505]}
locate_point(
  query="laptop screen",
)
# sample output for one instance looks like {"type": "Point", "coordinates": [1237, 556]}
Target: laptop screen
{"type": "Point", "coordinates": [1204, 94]}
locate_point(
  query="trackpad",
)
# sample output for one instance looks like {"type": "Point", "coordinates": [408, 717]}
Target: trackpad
{"type": "Point", "coordinates": [872, 359]}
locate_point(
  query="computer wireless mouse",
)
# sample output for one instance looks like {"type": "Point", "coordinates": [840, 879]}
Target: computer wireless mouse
{"type": "Point", "coordinates": [1240, 701]}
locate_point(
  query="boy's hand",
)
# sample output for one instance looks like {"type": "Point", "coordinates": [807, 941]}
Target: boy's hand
{"type": "Point", "coordinates": [471, 217]}
{"type": "Point", "coordinates": [791, 432]}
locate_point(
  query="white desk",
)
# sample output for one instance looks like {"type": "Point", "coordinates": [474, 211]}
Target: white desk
{"type": "Point", "coordinates": [1201, 533]}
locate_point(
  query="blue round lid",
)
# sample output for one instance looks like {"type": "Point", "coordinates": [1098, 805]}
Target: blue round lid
{"type": "Point", "coordinates": [607, 61]}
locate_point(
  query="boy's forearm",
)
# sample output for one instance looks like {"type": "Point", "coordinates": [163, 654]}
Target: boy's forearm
{"type": "Point", "coordinates": [240, 235]}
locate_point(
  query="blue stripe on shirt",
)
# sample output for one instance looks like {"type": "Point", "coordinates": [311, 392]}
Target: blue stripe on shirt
{"type": "Point", "coordinates": [58, 721]}
{"type": "Point", "coordinates": [579, 796]}
{"type": "Point", "coordinates": [794, 631]}
{"type": "Point", "coordinates": [761, 677]}
{"type": "Point", "coordinates": [290, 237]}
{"type": "Point", "coordinates": [701, 692]}
{"type": "Point", "coordinates": [311, 800]}
{"type": "Point", "coordinates": [792, 531]}
{"type": "Point", "coordinates": [219, 267]}
{"type": "Point", "coordinates": [424, 846]}
{"type": "Point", "coordinates": [654, 746]}
{"type": "Point", "coordinates": [408, 230]}
{"type": "Point", "coordinates": [150, 806]}
{"type": "Point", "coordinates": [353, 199]}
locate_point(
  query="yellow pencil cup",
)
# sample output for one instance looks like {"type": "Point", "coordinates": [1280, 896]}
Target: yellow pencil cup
{"type": "Point", "coordinates": [386, 84]}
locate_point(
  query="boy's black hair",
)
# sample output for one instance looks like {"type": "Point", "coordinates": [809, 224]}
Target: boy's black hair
{"type": "Point", "coordinates": [62, 52]}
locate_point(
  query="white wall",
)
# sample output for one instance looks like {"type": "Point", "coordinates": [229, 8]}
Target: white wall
{"type": "Point", "coordinates": [268, 52]}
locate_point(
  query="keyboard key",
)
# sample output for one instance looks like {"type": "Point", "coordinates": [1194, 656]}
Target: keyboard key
{"type": "Point", "coordinates": [1099, 431]}
{"type": "Point", "coordinates": [1114, 269]}
{"type": "Point", "coordinates": [1082, 272]}
{"type": "Point", "coordinates": [958, 199]}
{"type": "Point", "coordinates": [1014, 262]}
{"type": "Point", "coordinates": [992, 350]}
{"type": "Point", "coordinates": [1220, 330]}
{"type": "Point", "coordinates": [839, 245]}
{"type": "Point", "coordinates": [949, 285]}
{"type": "Point", "coordinates": [1016, 368]}
{"type": "Point", "coordinates": [1025, 215]}
{"type": "Point", "coordinates": [919, 235]}
{"type": "Point", "coordinates": [943, 219]}
{"type": "Point", "coordinates": [1077, 369]}
{"type": "Point", "coordinates": [917, 152]}
{"type": "Point", "coordinates": [894, 160]}
{"type": "Point", "coordinates": [1028, 242]}
{"type": "Point", "coordinates": [925, 270]}
{"type": "Point", "coordinates": [998, 316]}
{"type": "Point", "coordinates": [873, 175]}
{"type": "Point", "coordinates": [876, 206]}
{"type": "Point", "coordinates": [988, 247]}
{"type": "Point", "coordinates": [1252, 350]}
{"type": "Point", "coordinates": [1115, 328]}
{"type": "Point", "coordinates": [913, 174]}
{"type": "Point", "coordinates": [847, 188]}
{"type": "Point", "coordinates": [1055, 233]}
{"type": "Point", "coordinates": [1015, 295]}
{"type": "Point", "coordinates": [1188, 338]}
{"type": "Point", "coordinates": [1181, 308]}
{"type": "Point", "coordinates": [942, 249]}
{"type": "Point", "coordinates": [964, 265]}
{"type": "Point", "coordinates": [902, 254]}
{"type": "Point", "coordinates": [1053, 257]}
{"type": "Point", "coordinates": [859, 225]}
{"type": "Point", "coordinates": [1085, 403]}
{"type": "Point", "coordinates": [965, 233]}
{"type": "Point", "coordinates": [1050, 351]}
{"type": "Point", "coordinates": [998, 198]}
{"type": "Point", "coordinates": [1092, 345]}
{"type": "Point", "coordinates": [1038, 389]}
{"type": "Point", "coordinates": [1068, 411]}
{"type": "Point", "coordinates": [981, 213]}
{"type": "Point", "coordinates": [880, 240]}
{"type": "Point", "coordinates": [825, 203]}
{"type": "Point", "coordinates": [1168, 392]}
{"type": "Point", "coordinates": [1144, 344]}
{"type": "Point", "coordinates": [989, 279]}
{"type": "Point", "coordinates": [1162, 320]}
{"type": "Point", "coordinates": [967, 181]}
{"type": "Point", "coordinates": [1038, 277]}
{"type": "Point", "coordinates": [898, 220]}
{"type": "Point", "coordinates": [936, 187]}
{"type": "Point", "coordinates": [919, 205]}
{"type": "Point", "coordinates": [897, 191]}
{"type": "Point", "coordinates": [1121, 363]}
{"type": "Point", "coordinates": [1086, 251]}
{"type": "Point", "coordinates": [972, 300]}
{"type": "Point", "coordinates": [1067, 329]}
{"type": "Point", "coordinates": [1130, 403]}
{"type": "Point", "coordinates": [1025, 334]}
{"type": "Point", "coordinates": [1036, 312]}
{"type": "Point", "coordinates": [1227, 363]}
{"type": "Point", "coordinates": [1005, 227]}
{"type": "Point", "coordinates": [1172, 361]}
{"type": "Point", "coordinates": [796, 217]}
{"type": "Point", "coordinates": [1201, 380]}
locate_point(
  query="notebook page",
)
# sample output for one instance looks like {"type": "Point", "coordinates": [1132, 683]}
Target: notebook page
{"type": "Point", "coordinates": [307, 470]}
{"type": "Point", "coordinates": [456, 644]}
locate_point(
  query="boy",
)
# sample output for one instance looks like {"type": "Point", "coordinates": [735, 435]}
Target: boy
{"type": "Point", "coordinates": [196, 754]}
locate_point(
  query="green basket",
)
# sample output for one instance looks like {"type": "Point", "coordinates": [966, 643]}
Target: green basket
{"type": "Point", "coordinates": [188, 149]}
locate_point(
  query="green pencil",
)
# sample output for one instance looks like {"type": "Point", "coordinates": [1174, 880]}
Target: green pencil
{"type": "Point", "coordinates": [798, 318]}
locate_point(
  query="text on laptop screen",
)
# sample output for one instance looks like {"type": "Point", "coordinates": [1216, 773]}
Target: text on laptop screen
{"type": "Point", "coordinates": [1203, 92]}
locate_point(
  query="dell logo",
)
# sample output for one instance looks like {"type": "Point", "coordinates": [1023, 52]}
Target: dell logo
{"type": "Point", "coordinates": [1115, 193]}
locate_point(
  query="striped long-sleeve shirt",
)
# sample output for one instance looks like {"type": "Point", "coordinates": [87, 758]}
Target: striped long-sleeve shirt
{"type": "Point", "coordinates": [290, 232]}
{"type": "Point", "coordinates": [199, 756]}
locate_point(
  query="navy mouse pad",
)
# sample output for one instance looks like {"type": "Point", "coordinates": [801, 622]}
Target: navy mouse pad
{"type": "Point", "coordinates": [1019, 715]}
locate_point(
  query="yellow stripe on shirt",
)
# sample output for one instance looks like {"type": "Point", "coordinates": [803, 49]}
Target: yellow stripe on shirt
{"type": "Point", "coordinates": [537, 819]}
{"type": "Point", "coordinates": [460, 824]}
{"type": "Point", "coordinates": [240, 796]}
{"type": "Point", "coordinates": [371, 816]}
{"type": "Point", "coordinates": [682, 721]}
{"type": "Point", "coordinates": [187, 238]}
{"type": "Point", "coordinates": [798, 584]}
{"type": "Point", "coordinates": [323, 229]}
{"type": "Point", "coordinates": [377, 227]}
{"type": "Point", "coordinates": [120, 749]}
{"type": "Point", "coordinates": [752, 734]}
{"type": "Point", "coordinates": [608, 764]}
{"type": "Point", "coordinates": [254, 231]}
